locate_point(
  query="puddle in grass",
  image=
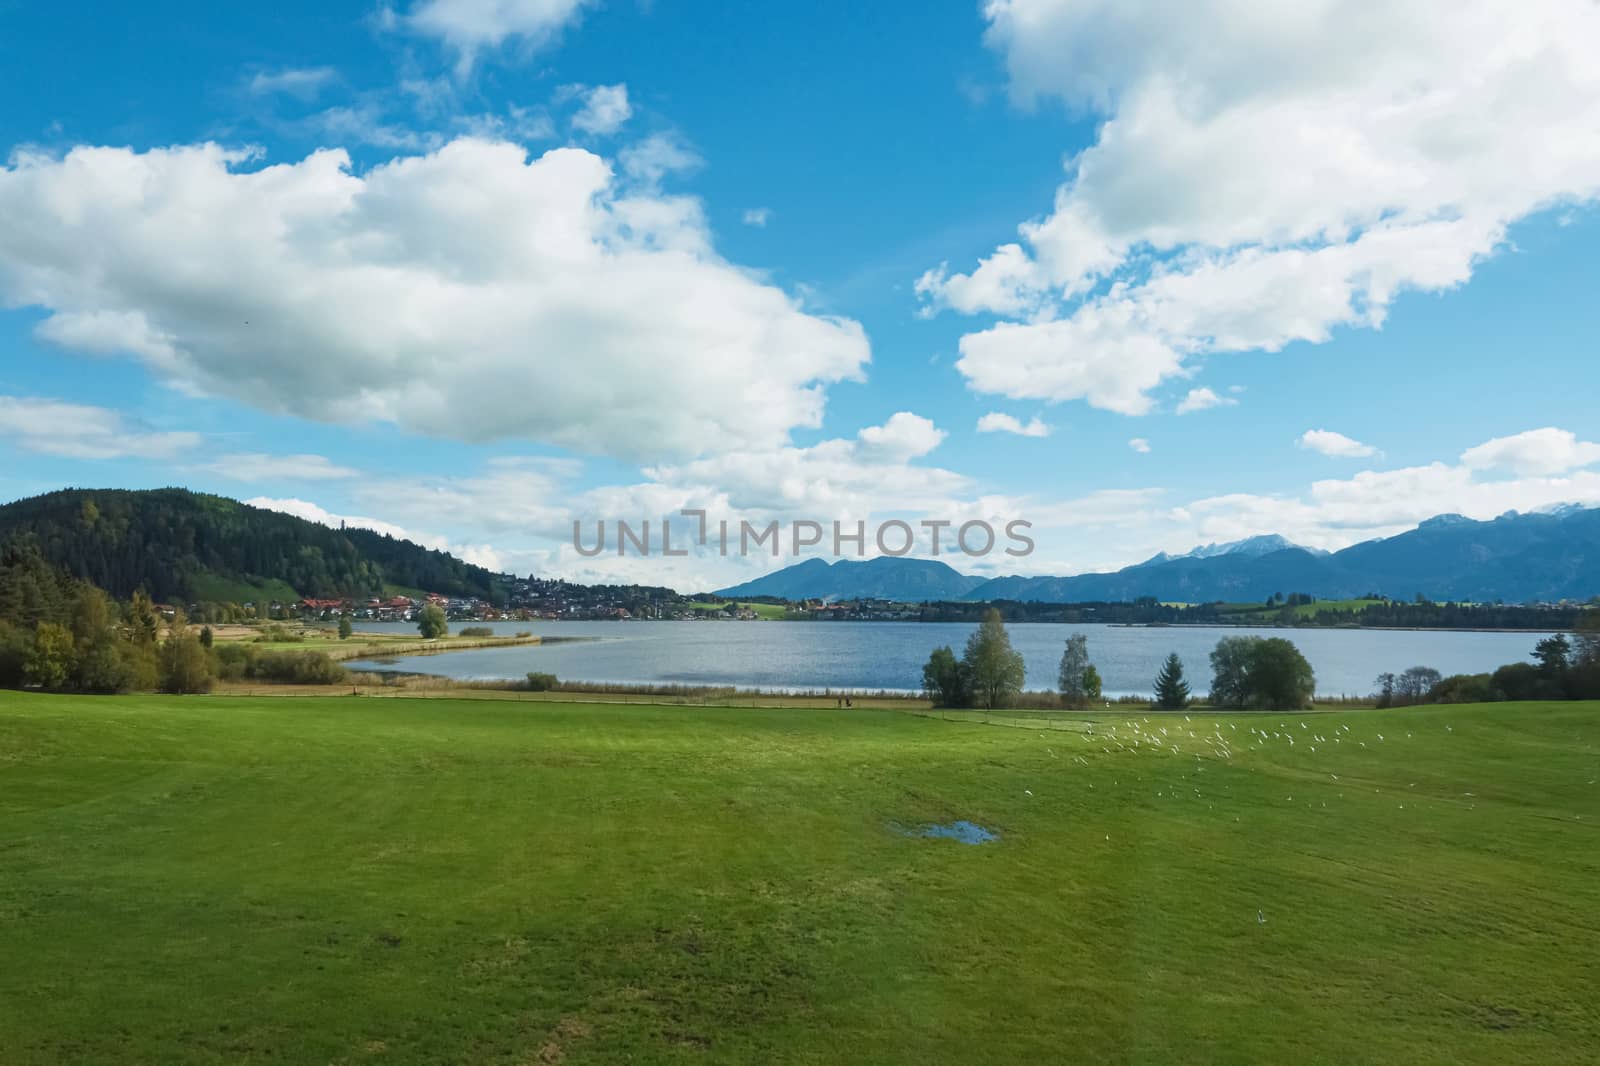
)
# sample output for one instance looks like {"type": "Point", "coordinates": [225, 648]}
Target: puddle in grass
{"type": "Point", "coordinates": [963, 832]}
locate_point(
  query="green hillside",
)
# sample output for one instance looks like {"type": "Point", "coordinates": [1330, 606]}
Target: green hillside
{"type": "Point", "coordinates": [183, 545]}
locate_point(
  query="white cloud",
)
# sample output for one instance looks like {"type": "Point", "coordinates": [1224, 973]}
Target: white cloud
{"type": "Point", "coordinates": [469, 26]}
{"type": "Point", "coordinates": [1140, 445]}
{"type": "Point", "coordinates": [904, 436]}
{"type": "Point", "coordinates": [1003, 283]}
{"type": "Point", "coordinates": [1203, 400]}
{"type": "Point", "coordinates": [367, 122]}
{"type": "Point", "coordinates": [78, 431]}
{"type": "Point", "coordinates": [605, 108]}
{"type": "Point", "coordinates": [660, 154]}
{"type": "Point", "coordinates": [258, 466]}
{"type": "Point", "coordinates": [512, 496]}
{"type": "Point", "coordinates": [468, 293]}
{"type": "Point", "coordinates": [520, 124]}
{"type": "Point", "coordinates": [1290, 178]}
{"type": "Point", "coordinates": [1536, 453]}
{"type": "Point", "coordinates": [757, 216]}
{"type": "Point", "coordinates": [1000, 422]}
{"type": "Point", "coordinates": [1335, 445]}
{"type": "Point", "coordinates": [303, 82]}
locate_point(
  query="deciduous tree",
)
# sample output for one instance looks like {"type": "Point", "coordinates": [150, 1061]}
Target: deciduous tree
{"type": "Point", "coordinates": [1230, 672]}
{"type": "Point", "coordinates": [995, 667]}
{"type": "Point", "coordinates": [53, 657]}
{"type": "Point", "coordinates": [1071, 678]}
{"type": "Point", "coordinates": [1279, 677]}
{"type": "Point", "coordinates": [944, 680]}
{"type": "Point", "coordinates": [432, 622]}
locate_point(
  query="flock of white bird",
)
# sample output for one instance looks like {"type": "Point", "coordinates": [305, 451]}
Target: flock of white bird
{"type": "Point", "coordinates": [1132, 735]}
{"type": "Point", "coordinates": [1220, 741]}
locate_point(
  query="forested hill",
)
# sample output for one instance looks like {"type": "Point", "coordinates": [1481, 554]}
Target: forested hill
{"type": "Point", "coordinates": [182, 545]}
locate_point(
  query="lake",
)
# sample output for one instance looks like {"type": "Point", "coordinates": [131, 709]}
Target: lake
{"type": "Point", "coordinates": [870, 656]}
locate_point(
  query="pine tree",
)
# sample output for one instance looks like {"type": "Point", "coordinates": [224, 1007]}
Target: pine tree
{"type": "Point", "coordinates": [143, 625]}
{"type": "Point", "coordinates": [1172, 691]}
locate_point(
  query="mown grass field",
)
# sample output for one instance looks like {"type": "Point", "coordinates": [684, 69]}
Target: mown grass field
{"type": "Point", "coordinates": [346, 880]}
{"type": "Point", "coordinates": [1247, 611]}
{"type": "Point", "coordinates": [765, 611]}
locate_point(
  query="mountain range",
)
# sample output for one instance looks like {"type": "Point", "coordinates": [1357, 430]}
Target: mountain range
{"type": "Point", "coordinates": [184, 545]}
{"type": "Point", "coordinates": [1516, 558]}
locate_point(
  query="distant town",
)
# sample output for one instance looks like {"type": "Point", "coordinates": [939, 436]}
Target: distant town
{"type": "Point", "coordinates": [535, 599]}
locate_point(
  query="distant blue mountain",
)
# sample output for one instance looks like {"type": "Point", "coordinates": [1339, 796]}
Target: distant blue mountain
{"type": "Point", "coordinates": [910, 580]}
{"type": "Point", "coordinates": [1518, 558]}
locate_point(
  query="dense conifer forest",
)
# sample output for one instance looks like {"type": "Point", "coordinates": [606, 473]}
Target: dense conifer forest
{"type": "Point", "coordinates": [185, 546]}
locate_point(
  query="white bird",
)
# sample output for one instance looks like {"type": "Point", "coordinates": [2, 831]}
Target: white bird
{"type": "Point", "coordinates": [1261, 919]}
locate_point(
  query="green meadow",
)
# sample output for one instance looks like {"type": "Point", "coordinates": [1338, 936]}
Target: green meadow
{"type": "Point", "coordinates": [1249, 611]}
{"type": "Point", "coordinates": [769, 612]}
{"type": "Point", "coordinates": [354, 880]}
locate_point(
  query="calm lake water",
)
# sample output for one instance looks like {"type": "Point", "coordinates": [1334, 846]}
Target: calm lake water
{"type": "Point", "coordinates": [889, 655]}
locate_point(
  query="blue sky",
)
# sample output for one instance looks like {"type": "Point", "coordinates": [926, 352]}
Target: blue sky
{"type": "Point", "coordinates": [607, 260]}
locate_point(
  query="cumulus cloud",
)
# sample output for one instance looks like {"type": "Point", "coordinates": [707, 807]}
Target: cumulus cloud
{"type": "Point", "coordinates": [904, 436]}
{"type": "Point", "coordinates": [1140, 445]}
{"type": "Point", "coordinates": [605, 108]}
{"type": "Point", "coordinates": [1000, 422]}
{"type": "Point", "coordinates": [1536, 453]}
{"type": "Point", "coordinates": [78, 431]}
{"type": "Point", "coordinates": [470, 26]}
{"type": "Point", "coordinates": [1291, 178]}
{"type": "Point", "coordinates": [1203, 400]}
{"type": "Point", "coordinates": [471, 293]}
{"type": "Point", "coordinates": [1335, 445]}
{"type": "Point", "coordinates": [259, 466]}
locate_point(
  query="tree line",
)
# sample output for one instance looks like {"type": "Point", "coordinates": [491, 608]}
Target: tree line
{"type": "Point", "coordinates": [1563, 667]}
{"type": "Point", "coordinates": [1295, 609]}
{"type": "Point", "coordinates": [1268, 673]}
{"type": "Point", "coordinates": [61, 634]}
